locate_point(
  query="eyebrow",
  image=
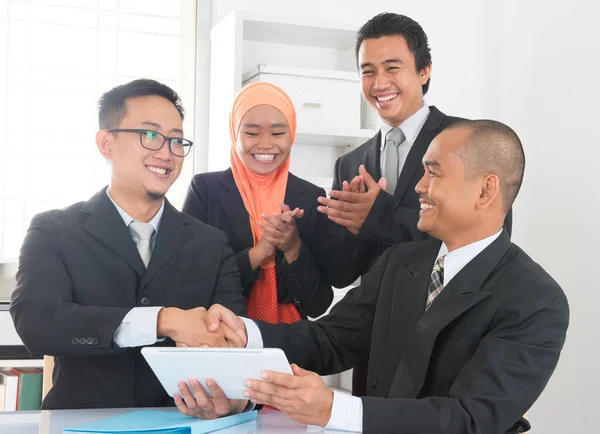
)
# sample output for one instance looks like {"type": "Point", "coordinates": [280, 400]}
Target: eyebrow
{"type": "Point", "coordinates": [386, 61]}
{"type": "Point", "coordinates": [275, 125]}
{"type": "Point", "coordinates": [431, 163]}
{"type": "Point", "coordinates": [158, 126]}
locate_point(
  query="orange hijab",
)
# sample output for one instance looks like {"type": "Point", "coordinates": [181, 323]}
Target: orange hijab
{"type": "Point", "coordinates": [260, 193]}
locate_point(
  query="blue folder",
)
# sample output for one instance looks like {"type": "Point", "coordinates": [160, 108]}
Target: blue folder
{"type": "Point", "coordinates": [157, 421]}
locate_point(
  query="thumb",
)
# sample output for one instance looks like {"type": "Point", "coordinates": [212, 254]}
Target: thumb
{"type": "Point", "coordinates": [283, 206]}
{"type": "Point", "coordinates": [217, 314]}
{"type": "Point", "coordinates": [382, 183]}
{"type": "Point", "coordinates": [367, 177]}
{"type": "Point", "coordinates": [298, 371]}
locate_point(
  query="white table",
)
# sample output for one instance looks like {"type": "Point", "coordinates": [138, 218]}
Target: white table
{"type": "Point", "coordinates": [53, 422]}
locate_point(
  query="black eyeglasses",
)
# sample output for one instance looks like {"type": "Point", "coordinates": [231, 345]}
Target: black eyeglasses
{"type": "Point", "coordinates": [154, 141]}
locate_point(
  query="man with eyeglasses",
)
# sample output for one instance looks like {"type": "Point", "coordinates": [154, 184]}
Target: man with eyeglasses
{"type": "Point", "coordinates": [100, 279]}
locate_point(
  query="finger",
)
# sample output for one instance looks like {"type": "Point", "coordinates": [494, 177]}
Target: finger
{"type": "Point", "coordinates": [355, 184]}
{"type": "Point", "coordinates": [382, 183]}
{"type": "Point", "coordinates": [200, 397]}
{"type": "Point", "coordinates": [233, 338]}
{"type": "Point", "coordinates": [273, 221]}
{"type": "Point", "coordinates": [266, 399]}
{"type": "Point", "coordinates": [348, 197]}
{"type": "Point", "coordinates": [274, 233]}
{"type": "Point", "coordinates": [345, 186]}
{"type": "Point", "coordinates": [298, 371]}
{"type": "Point", "coordinates": [351, 225]}
{"type": "Point", "coordinates": [286, 218]}
{"type": "Point", "coordinates": [280, 379]}
{"type": "Point", "coordinates": [367, 177]}
{"type": "Point", "coordinates": [217, 314]}
{"type": "Point", "coordinates": [283, 206]}
{"type": "Point", "coordinates": [181, 406]}
{"type": "Point", "coordinates": [181, 345]}
{"type": "Point", "coordinates": [187, 397]}
{"type": "Point", "coordinates": [219, 400]}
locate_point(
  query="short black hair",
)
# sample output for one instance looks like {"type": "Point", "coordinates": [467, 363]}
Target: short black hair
{"type": "Point", "coordinates": [494, 147]}
{"type": "Point", "coordinates": [111, 106]}
{"type": "Point", "coordinates": [389, 24]}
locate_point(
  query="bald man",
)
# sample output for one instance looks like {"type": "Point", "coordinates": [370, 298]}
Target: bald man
{"type": "Point", "coordinates": [463, 334]}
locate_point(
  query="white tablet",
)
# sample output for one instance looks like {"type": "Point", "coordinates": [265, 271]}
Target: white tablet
{"type": "Point", "coordinates": [229, 367]}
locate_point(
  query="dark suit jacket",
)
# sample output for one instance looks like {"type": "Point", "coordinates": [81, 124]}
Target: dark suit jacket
{"type": "Point", "coordinates": [80, 274]}
{"type": "Point", "coordinates": [213, 198]}
{"type": "Point", "coordinates": [393, 218]}
{"type": "Point", "coordinates": [473, 363]}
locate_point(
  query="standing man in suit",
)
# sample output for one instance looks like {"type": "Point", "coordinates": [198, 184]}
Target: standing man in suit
{"type": "Point", "coordinates": [463, 333]}
{"type": "Point", "coordinates": [394, 62]}
{"type": "Point", "coordinates": [100, 279]}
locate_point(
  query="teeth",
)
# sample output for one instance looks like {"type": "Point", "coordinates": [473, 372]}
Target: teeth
{"type": "Point", "coordinates": [386, 98]}
{"type": "Point", "coordinates": [265, 157]}
{"type": "Point", "coordinates": [427, 206]}
{"type": "Point", "coordinates": [159, 170]}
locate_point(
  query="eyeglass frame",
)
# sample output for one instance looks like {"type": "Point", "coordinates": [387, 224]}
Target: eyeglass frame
{"type": "Point", "coordinates": [141, 131]}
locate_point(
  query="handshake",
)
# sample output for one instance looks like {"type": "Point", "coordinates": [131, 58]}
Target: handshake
{"type": "Point", "coordinates": [216, 327]}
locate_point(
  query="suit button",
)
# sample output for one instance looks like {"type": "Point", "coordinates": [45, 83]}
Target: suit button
{"type": "Point", "coordinates": [145, 301]}
{"type": "Point", "coordinates": [95, 341]}
{"type": "Point", "coordinates": [89, 341]}
{"type": "Point", "coordinates": [373, 383]}
{"type": "Point", "coordinates": [81, 341]}
{"type": "Point", "coordinates": [75, 341]}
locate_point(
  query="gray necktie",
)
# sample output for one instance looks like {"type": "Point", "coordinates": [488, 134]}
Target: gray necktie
{"type": "Point", "coordinates": [395, 137]}
{"type": "Point", "coordinates": [144, 232]}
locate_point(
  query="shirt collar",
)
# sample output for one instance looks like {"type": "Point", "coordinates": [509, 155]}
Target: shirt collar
{"type": "Point", "coordinates": [457, 259]}
{"type": "Point", "coordinates": [155, 222]}
{"type": "Point", "coordinates": [411, 127]}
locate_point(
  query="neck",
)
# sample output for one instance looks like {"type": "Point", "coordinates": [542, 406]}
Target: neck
{"type": "Point", "coordinates": [396, 122]}
{"type": "Point", "coordinates": [472, 236]}
{"type": "Point", "coordinates": [142, 209]}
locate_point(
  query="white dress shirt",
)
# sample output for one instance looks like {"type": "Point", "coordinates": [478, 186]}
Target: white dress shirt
{"type": "Point", "coordinates": [138, 327]}
{"type": "Point", "coordinates": [347, 410]}
{"type": "Point", "coordinates": [411, 128]}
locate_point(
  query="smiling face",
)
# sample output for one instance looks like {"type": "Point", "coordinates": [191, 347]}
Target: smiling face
{"type": "Point", "coordinates": [136, 171]}
{"type": "Point", "coordinates": [263, 140]}
{"type": "Point", "coordinates": [389, 78]}
{"type": "Point", "coordinates": [450, 200]}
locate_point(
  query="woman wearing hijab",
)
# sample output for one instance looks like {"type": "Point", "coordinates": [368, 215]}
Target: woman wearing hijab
{"type": "Point", "coordinates": [269, 215]}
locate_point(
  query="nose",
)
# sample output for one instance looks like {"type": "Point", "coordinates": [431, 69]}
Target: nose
{"type": "Point", "coordinates": [381, 81]}
{"type": "Point", "coordinates": [422, 185]}
{"type": "Point", "coordinates": [264, 141]}
{"type": "Point", "coordinates": [163, 153]}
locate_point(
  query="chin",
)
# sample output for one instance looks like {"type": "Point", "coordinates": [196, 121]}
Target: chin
{"type": "Point", "coordinates": [155, 195]}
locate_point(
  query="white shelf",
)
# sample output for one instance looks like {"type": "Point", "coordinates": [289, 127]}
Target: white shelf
{"type": "Point", "coordinates": [22, 363]}
{"type": "Point", "coordinates": [343, 138]}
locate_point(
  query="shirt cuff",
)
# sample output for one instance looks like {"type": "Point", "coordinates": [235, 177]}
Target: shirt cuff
{"type": "Point", "coordinates": [138, 328]}
{"type": "Point", "coordinates": [253, 333]}
{"type": "Point", "coordinates": [346, 413]}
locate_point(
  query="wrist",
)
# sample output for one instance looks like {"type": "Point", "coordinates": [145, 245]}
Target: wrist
{"type": "Point", "coordinates": [165, 323]}
{"type": "Point", "coordinates": [293, 252]}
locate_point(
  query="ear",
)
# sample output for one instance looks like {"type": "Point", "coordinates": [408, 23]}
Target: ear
{"type": "Point", "coordinates": [104, 142]}
{"type": "Point", "coordinates": [490, 193]}
{"type": "Point", "coordinates": [424, 74]}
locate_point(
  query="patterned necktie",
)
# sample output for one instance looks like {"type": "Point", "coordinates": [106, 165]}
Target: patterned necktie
{"type": "Point", "coordinates": [395, 137]}
{"type": "Point", "coordinates": [144, 232]}
{"type": "Point", "coordinates": [436, 283]}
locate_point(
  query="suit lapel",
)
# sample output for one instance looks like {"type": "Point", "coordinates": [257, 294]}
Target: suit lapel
{"type": "Point", "coordinates": [462, 293]}
{"type": "Point", "coordinates": [173, 233]}
{"type": "Point", "coordinates": [431, 128]}
{"type": "Point", "coordinates": [408, 305]}
{"type": "Point", "coordinates": [106, 225]}
{"type": "Point", "coordinates": [371, 157]}
{"type": "Point", "coordinates": [235, 211]}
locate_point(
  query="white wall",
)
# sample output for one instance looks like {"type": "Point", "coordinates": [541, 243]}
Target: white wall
{"type": "Point", "coordinates": [535, 66]}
